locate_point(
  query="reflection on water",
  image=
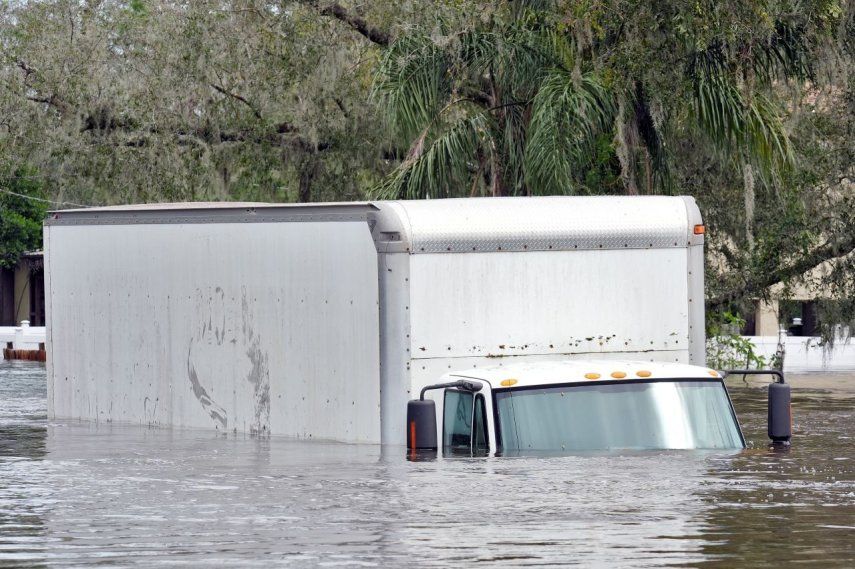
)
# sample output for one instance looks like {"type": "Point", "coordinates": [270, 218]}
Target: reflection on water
{"type": "Point", "coordinates": [79, 494]}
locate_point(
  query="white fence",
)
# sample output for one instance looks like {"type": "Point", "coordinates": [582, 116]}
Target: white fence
{"type": "Point", "coordinates": [808, 354]}
{"type": "Point", "coordinates": [23, 337]}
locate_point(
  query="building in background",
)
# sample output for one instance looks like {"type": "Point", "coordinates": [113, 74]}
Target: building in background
{"type": "Point", "coordinates": [22, 291]}
{"type": "Point", "coordinates": [789, 322]}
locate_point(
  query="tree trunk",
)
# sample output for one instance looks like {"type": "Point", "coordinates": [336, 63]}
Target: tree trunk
{"type": "Point", "coordinates": [497, 185]}
{"type": "Point", "coordinates": [648, 173]}
{"type": "Point", "coordinates": [748, 195]}
{"type": "Point", "coordinates": [308, 171]}
{"type": "Point", "coordinates": [626, 140]}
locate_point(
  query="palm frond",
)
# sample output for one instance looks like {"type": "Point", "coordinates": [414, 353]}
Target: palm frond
{"type": "Point", "coordinates": [514, 60]}
{"type": "Point", "coordinates": [526, 56]}
{"type": "Point", "coordinates": [567, 118]}
{"type": "Point", "coordinates": [412, 83]}
{"type": "Point", "coordinates": [733, 123]}
{"type": "Point", "coordinates": [440, 164]}
{"type": "Point", "coordinates": [787, 54]}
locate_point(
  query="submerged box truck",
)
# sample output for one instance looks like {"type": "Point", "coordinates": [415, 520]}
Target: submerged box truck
{"type": "Point", "coordinates": [552, 323]}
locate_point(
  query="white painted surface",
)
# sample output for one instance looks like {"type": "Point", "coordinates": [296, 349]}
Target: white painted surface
{"type": "Point", "coordinates": [268, 327]}
{"type": "Point", "coordinates": [696, 299]}
{"type": "Point", "coordinates": [808, 354]}
{"type": "Point", "coordinates": [23, 337]}
{"type": "Point", "coordinates": [549, 302]}
{"type": "Point", "coordinates": [394, 311]}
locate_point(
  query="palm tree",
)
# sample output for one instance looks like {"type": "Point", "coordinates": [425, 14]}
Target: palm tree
{"type": "Point", "coordinates": [524, 105]}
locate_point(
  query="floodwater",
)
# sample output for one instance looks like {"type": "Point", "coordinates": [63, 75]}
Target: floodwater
{"type": "Point", "coordinates": [75, 494]}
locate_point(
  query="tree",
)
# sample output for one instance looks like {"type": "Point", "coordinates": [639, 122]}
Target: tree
{"type": "Point", "coordinates": [22, 210]}
{"type": "Point", "coordinates": [154, 100]}
{"type": "Point", "coordinates": [524, 97]}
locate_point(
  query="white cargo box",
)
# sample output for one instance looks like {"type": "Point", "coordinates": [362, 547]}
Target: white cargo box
{"type": "Point", "coordinates": [319, 321]}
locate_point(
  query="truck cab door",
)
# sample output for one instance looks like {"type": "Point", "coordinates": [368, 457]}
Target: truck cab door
{"type": "Point", "coordinates": [480, 427]}
{"type": "Point", "coordinates": [465, 425]}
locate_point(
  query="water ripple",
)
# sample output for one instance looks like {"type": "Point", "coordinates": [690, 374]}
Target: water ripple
{"type": "Point", "coordinates": [77, 494]}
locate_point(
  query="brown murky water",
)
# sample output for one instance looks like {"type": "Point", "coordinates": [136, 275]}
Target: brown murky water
{"type": "Point", "coordinates": [80, 495]}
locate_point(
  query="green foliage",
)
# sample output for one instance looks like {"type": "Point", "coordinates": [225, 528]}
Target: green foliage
{"type": "Point", "coordinates": [138, 6]}
{"type": "Point", "coordinates": [751, 127]}
{"type": "Point", "coordinates": [20, 218]}
{"type": "Point", "coordinates": [433, 171]}
{"type": "Point", "coordinates": [569, 118]}
{"type": "Point", "coordinates": [466, 90]}
{"type": "Point", "coordinates": [726, 348]}
{"type": "Point", "coordinates": [153, 100]}
{"type": "Point", "coordinates": [554, 78]}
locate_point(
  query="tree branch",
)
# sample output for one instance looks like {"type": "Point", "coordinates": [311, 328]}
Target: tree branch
{"type": "Point", "coordinates": [356, 23]}
{"type": "Point", "coordinates": [756, 284]}
{"type": "Point", "coordinates": [237, 98]}
{"type": "Point", "coordinates": [140, 138]}
{"type": "Point", "coordinates": [52, 101]}
{"type": "Point", "coordinates": [26, 68]}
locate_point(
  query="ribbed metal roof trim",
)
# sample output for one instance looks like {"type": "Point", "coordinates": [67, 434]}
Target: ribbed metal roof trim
{"type": "Point", "coordinates": [212, 212]}
{"type": "Point", "coordinates": [543, 223]}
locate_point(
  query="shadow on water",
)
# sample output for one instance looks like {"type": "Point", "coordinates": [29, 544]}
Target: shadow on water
{"type": "Point", "coordinates": [76, 494]}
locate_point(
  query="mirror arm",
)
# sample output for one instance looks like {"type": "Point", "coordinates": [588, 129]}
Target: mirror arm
{"type": "Point", "coordinates": [777, 373]}
{"type": "Point", "coordinates": [470, 386]}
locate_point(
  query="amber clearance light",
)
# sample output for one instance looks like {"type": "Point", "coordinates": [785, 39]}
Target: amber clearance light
{"type": "Point", "coordinates": [700, 230]}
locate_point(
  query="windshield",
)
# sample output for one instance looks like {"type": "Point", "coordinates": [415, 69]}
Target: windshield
{"type": "Point", "coordinates": [637, 415]}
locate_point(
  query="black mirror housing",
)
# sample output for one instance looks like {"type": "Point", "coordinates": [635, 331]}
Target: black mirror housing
{"type": "Point", "coordinates": [421, 424]}
{"type": "Point", "coordinates": [780, 418]}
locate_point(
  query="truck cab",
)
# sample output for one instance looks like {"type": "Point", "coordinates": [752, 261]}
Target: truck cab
{"type": "Point", "coordinates": [577, 406]}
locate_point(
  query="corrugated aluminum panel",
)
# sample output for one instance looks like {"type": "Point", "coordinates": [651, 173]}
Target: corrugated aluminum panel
{"type": "Point", "coordinates": [254, 327]}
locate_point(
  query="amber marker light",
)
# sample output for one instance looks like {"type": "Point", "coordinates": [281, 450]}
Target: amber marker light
{"type": "Point", "coordinates": [618, 374]}
{"type": "Point", "coordinates": [713, 373]}
{"type": "Point", "coordinates": [700, 230]}
{"type": "Point", "coordinates": [508, 382]}
{"type": "Point", "coordinates": [592, 376]}
{"type": "Point", "coordinates": [642, 373]}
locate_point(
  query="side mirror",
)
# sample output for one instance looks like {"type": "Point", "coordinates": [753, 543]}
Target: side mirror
{"type": "Point", "coordinates": [780, 419]}
{"type": "Point", "coordinates": [421, 415]}
{"type": "Point", "coordinates": [421, 425]}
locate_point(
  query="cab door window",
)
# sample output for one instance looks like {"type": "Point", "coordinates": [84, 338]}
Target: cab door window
{"type": "Point", "coordinates": [480, 438]}
{"type": "Point", "coordinates": [457, 421]}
